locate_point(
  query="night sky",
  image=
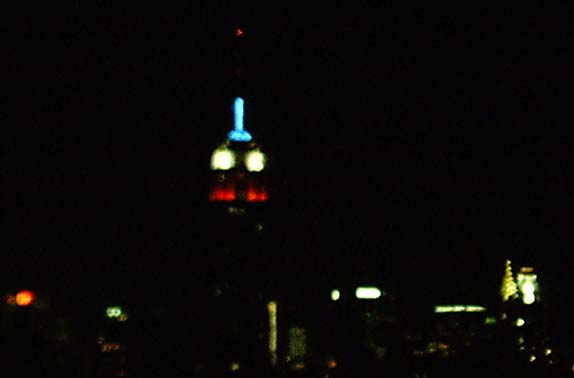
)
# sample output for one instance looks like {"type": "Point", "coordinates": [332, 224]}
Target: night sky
{"type": "Point", "coordinates": [422, 144]}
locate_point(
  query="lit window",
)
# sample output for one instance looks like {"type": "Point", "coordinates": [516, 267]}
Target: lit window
{"type": "Point", "coordinates": [255, 161]}
{"type": "Point", "coordinates": [528, 285]}
{"type": "Point", "coordinates": [110, 347]}
{"type": "Point", "coordinates": [458, 308]}
{"type": "Point", "coordinates": [367, 293]}
{"type": "Point", "coordinates": [222, 159]}
{"type": "Point", "coordinates": [528, 293]}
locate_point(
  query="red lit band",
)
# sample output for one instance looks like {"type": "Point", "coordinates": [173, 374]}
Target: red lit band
{"type": "Point", "coordinates": [256, 196]}
{"type": "Point", "coordinates": [222, 194]}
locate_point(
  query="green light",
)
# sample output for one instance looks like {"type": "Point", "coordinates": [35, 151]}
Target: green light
{"type": "Point", "coordinates": [473, 308]}
{"type": "Point", "coordinates": [272, 341]}
{"type": "Point", "coordinates": [458, 308]}
{"type": "Point", "coordinates": [114, 312]}
{"type": "Point", "coordinates": [528, 285]}
{"type": "Point", "coordinates": [528, 298]}
{"type": "Point", "coordinates": [528, 290]}
{"type": "Point", "coordinates": [335, 295]}
{"type": "Point", "coordinates": [297, 343]}
{"type": "Point", "coordinates": [490, 320]}
{"type": "Point", "coordinates": [368, 293]}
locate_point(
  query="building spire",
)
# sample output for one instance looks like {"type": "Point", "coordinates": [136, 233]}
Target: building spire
{"type": "Point", "coordinates": [239, 61]}
{"type": "Point", "coordinates": [508, 289]}
{"type": "Point", "coordinates": [238, 134]}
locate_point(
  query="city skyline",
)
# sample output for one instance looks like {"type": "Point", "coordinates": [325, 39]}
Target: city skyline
{"type": "Point", "coordinates": [387, 146]}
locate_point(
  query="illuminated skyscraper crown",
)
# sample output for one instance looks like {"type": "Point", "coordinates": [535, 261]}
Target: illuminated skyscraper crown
{"type": "Point", "coordinates": [239, 162]}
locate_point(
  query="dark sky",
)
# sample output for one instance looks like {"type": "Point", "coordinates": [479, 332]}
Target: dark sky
{"type": "Point", "coordinates": [428, 142]}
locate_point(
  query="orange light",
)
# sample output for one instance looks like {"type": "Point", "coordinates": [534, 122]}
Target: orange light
{"type": "Point", "coordinates": [110, 347]}
{"type": "Point", "coordinates": [25, 298]}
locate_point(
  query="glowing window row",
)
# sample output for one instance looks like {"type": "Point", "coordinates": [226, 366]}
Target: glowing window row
{"type": "Point", "coordinates": [224, 159]}
{"type": "Point", "coordinates": [228, 194]}
{"type": "Point", "coordinates": [362, 292]}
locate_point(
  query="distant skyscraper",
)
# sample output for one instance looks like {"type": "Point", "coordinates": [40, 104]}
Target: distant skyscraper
{"type": "Point", "coordinates": [508, 289]}
{"type": "Point", "coordinates": [524, 287]}
{"type": "Point", "coordinates": [527, 282]}
{"type": "Point", "coordinates": [238, 195]}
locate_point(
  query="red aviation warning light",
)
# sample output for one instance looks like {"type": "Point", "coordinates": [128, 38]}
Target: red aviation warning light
{"type": "Point", "coordinates": [239, 32]}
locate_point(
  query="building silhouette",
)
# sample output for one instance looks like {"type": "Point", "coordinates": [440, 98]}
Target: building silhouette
{"type": "Point", "coordinates": [239, 275]}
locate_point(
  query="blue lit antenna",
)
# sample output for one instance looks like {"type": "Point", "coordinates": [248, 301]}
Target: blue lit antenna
{"type": "Point", "coordinates": [238, 134]}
